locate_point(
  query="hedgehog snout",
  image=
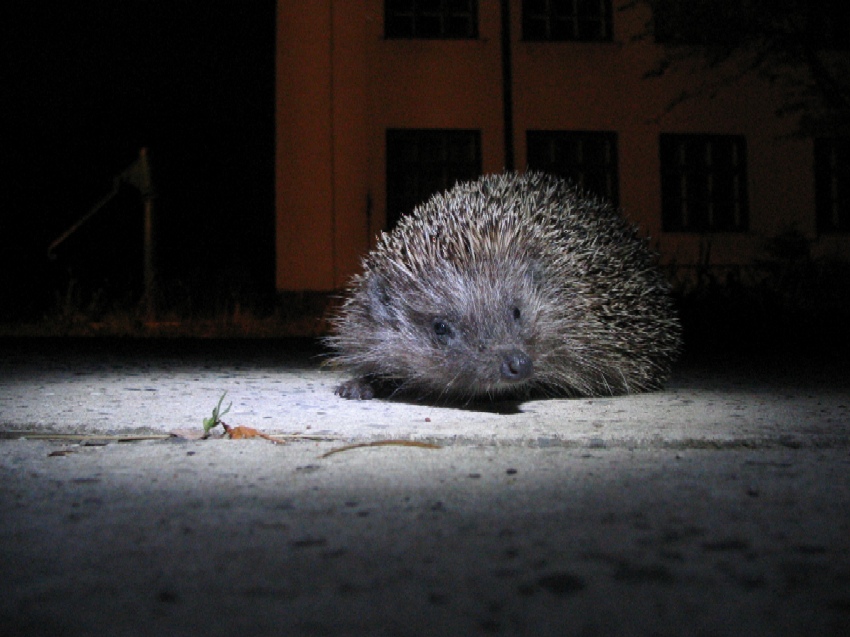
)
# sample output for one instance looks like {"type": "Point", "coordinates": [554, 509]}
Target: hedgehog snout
{"type": "Point", "coordinates": [516, 366]}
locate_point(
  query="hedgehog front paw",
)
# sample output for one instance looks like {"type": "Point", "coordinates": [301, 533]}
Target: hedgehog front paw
{"type": "Point", "coordinates": [355, 389]}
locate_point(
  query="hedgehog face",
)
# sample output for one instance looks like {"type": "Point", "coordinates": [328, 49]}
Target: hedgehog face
{"type": "Point", "coordinates": [470, 330]}
{"type": "Point", "coordinates": [478, 361]}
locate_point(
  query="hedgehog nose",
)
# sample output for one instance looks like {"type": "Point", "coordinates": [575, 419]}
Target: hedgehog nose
{"type": "Point", "coordinates": [516, 366]}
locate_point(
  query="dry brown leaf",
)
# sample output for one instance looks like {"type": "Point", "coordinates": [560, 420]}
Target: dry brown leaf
{"type": "Point", "coordinates": [241, 432]}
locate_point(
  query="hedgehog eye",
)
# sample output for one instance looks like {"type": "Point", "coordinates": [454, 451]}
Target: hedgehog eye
{"type": "Point", "coordinates": [516, 314]}
{"type": "Point", "coordinates": [442, 328]}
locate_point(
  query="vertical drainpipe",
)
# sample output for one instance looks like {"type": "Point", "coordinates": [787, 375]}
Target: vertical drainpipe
{"type": "Point", "coordinates": [507, 86]}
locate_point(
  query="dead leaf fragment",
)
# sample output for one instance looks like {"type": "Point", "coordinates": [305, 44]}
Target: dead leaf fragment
{"type": "Point", "coordinates": [241, 432]}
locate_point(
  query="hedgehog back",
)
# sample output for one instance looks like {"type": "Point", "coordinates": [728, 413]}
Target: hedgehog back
{"type": "Point", "coordinates": [510, 268]}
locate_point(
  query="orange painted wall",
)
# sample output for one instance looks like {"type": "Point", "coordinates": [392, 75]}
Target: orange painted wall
{"type": "Point", "coordinates": [303, 154]}
{"type": "Point", "coordinates": [341, 85]}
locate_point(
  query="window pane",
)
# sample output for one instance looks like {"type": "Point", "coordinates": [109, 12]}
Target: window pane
{"type": "Point", "coordinates": [832, 184]}
{"type": "Point", "coordinates": [586, 158]}
{"type": "Point", "coordinates": [553, 20]}
{"type": "Point", "coordinates": [421, 163]}
{"type": "Point", "coordinates": [703, 183]}
{"type": "Point", "coordinates": [438, 19]}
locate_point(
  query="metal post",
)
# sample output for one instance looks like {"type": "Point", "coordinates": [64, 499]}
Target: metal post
{"type": "Point", "coordinates": [137, 175]}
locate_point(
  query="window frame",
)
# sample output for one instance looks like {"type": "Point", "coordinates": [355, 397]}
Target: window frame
{"type": "Point", "coordinates": [434, 164]}
{"type": "Point", "coordinates": [821, 24]}
{"type": "Point", "coordinates": [580, 172]}
{"type": "Point", "coordinates": [553, 24]}
{"type": "Point", "coordinates": [707, 196]}
{"type": "Point", "coordinates": [420, 18]}
{"type": "Point", "coordinates": [832, 184]}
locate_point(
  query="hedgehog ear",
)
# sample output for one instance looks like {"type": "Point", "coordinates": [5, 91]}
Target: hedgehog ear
{"type": "Point", "coordinates": [379, 299]}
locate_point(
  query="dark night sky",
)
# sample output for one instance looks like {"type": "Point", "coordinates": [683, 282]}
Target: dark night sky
{"type": "Point", "coordinates": [83, 85]}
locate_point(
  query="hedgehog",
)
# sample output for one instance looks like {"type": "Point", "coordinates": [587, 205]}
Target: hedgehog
{"type": "Point", "coordinates": [513, 285]}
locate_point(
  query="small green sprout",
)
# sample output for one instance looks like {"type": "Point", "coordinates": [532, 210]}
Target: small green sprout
{"type": "Point", "coordinates": [215, 419]}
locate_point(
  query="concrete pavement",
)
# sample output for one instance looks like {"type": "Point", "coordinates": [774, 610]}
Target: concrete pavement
{"type": "Point", "coordinates": [720, 506]}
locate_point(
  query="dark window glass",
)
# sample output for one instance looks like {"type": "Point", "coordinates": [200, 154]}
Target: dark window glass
{"type": "Point", "coordinates": [828, 24]}
{"type": "Point", "coordinates": [832, 184]}
{"type": "Point", "coordinates": [435, 19]}
{"type": "Point", "coordinates": [553, 20]}
{"type": "Point", "coordinates": [677, 22]}
{"type": "Point", "coordinates": [588, 159]}
{"type": "Point", "coordinates": [421, 163]}
{"type": "Point", "coordinates": [703, 183]}
{"type": "Point", "coordinates": [821, 24]}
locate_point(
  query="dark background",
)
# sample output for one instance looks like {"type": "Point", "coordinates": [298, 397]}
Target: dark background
{"type": "Point", "coordinates": [84, 84]}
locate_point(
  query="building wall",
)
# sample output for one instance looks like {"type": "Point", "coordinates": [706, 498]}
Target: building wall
{"type": "Point", "coordinates": [341, 85]}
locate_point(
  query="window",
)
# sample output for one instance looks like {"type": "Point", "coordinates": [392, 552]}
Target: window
{"type": "Point", "coordinates": [699, 22]}
{"type": "Point", "coordinates": [832, 184]}
{"type": "Point", "coordinates": [421, 163]}
{"type": "Point", "coordinates": [588, 159]}
{"type": "Point", "coordinates": [822, 24]}
{"type": "Point", "coordinates": [703, 183]}
{"type": "Point", "coordinates": [435, 19]}
{"type": "Point", "coordinates": [558, 20]}
{"type": "Point", "coordinates": [828, 24]}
